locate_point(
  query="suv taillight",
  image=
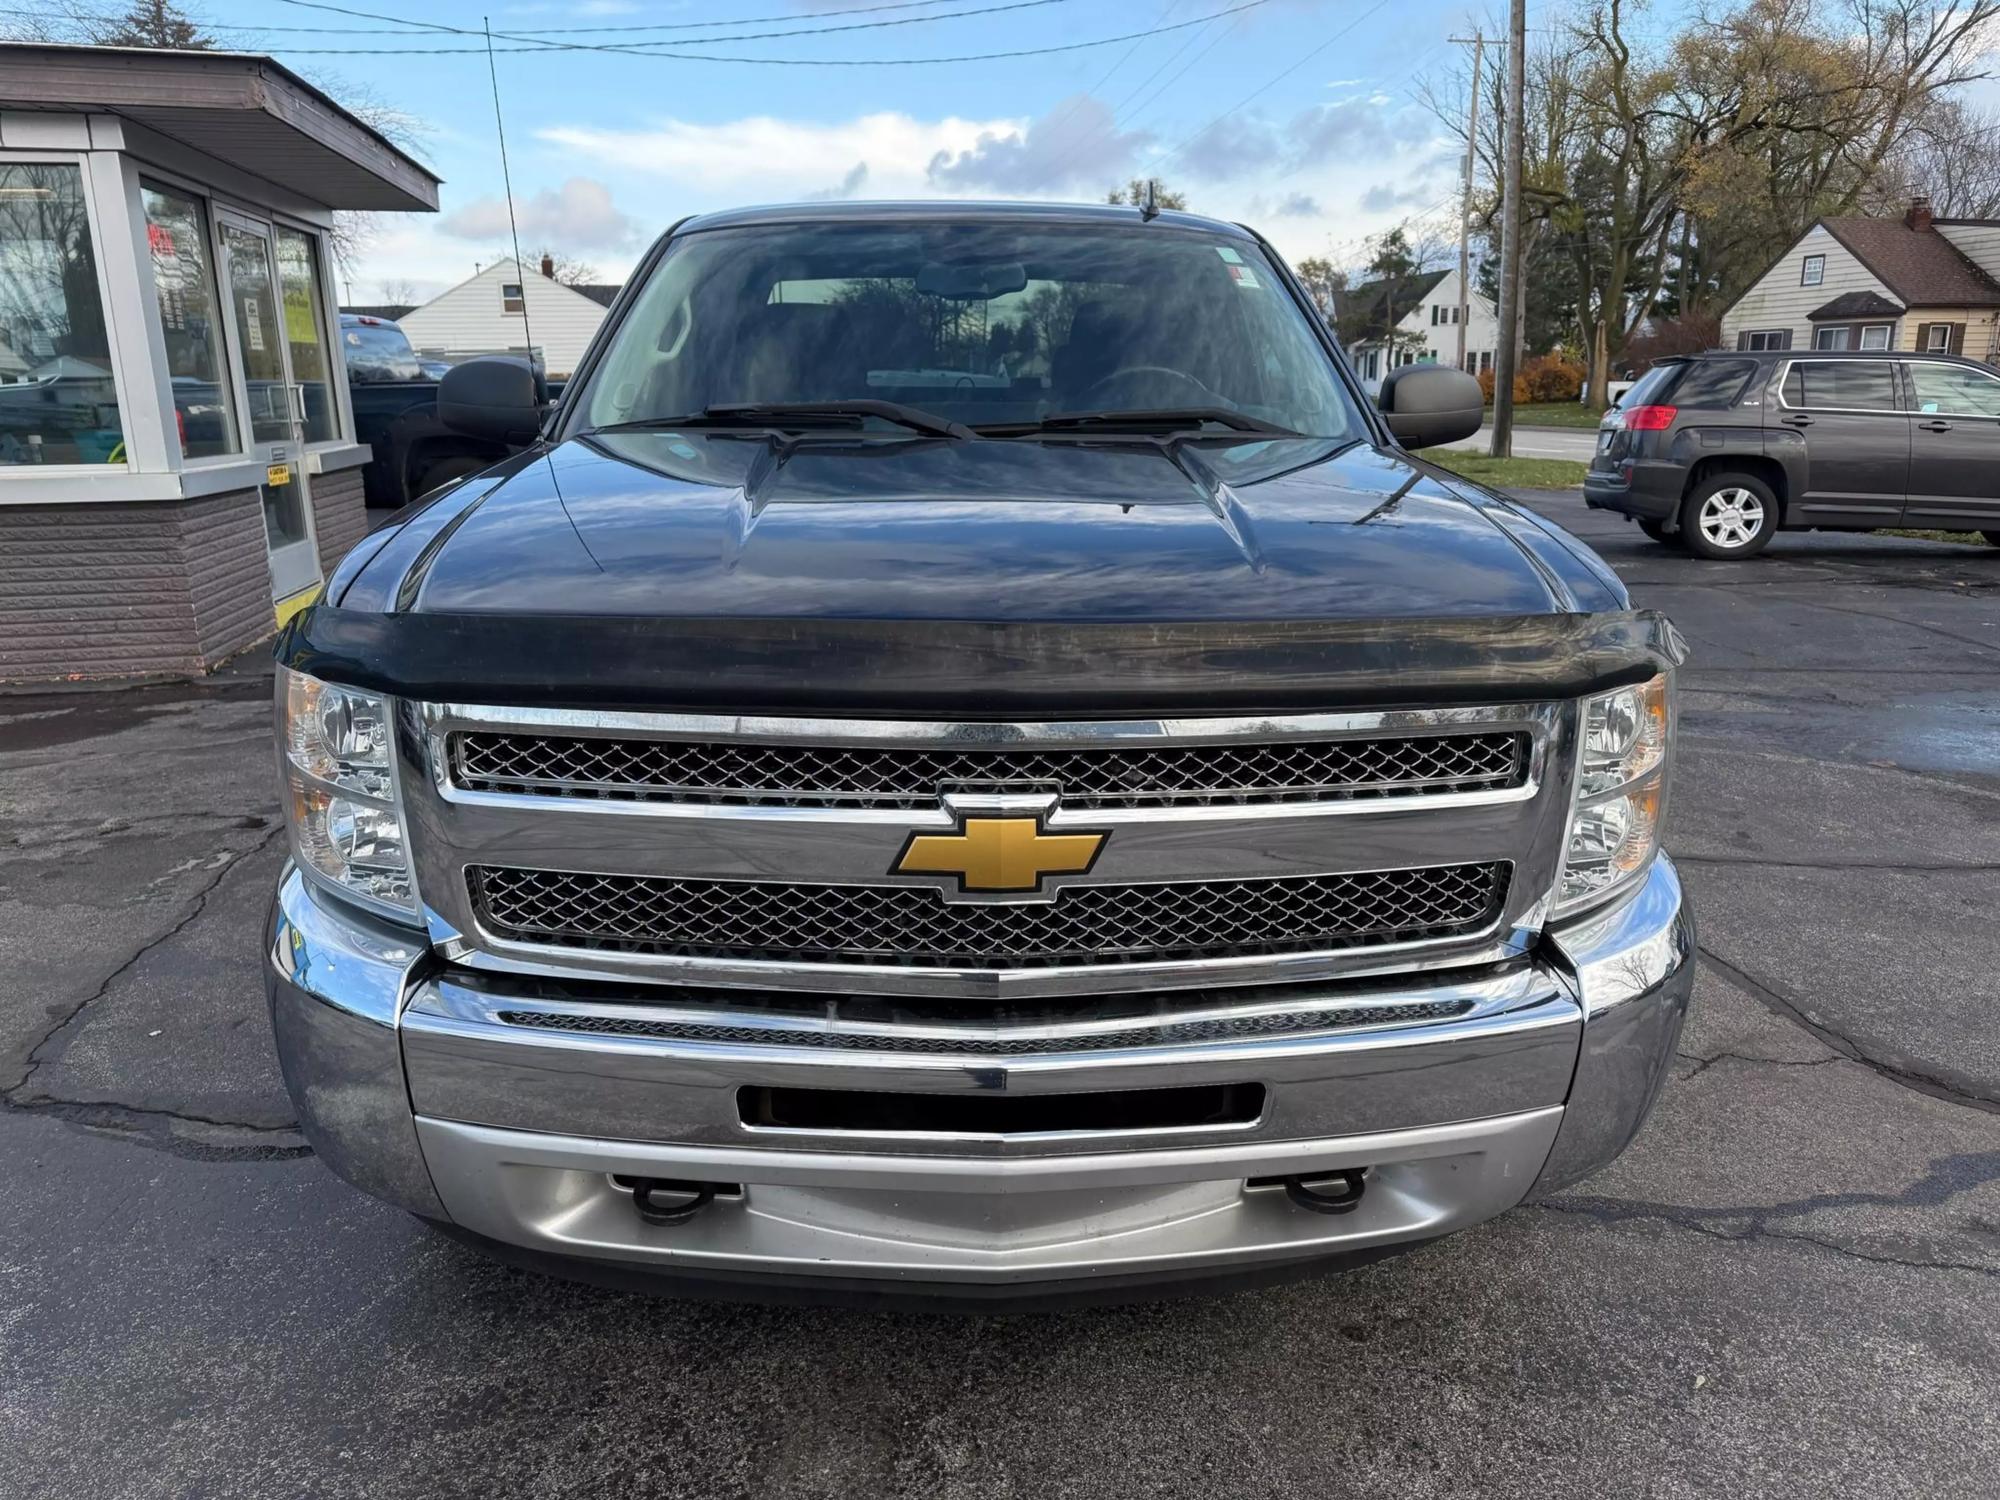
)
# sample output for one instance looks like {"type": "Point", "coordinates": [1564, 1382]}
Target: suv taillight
{"type": "Point", "coordinates": [1648, 418]}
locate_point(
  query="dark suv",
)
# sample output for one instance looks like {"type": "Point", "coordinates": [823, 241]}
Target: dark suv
{"type": "Point", "coordinates": [1718, 451]}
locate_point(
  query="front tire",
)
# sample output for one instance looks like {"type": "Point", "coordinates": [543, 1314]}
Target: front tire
{"type": "Point", "coordinates": [1728, 516]}
{"type": "Point", "coordinates": [1992, 538]}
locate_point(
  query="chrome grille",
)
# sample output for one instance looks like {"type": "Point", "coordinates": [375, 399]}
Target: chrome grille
{"type": "Point", "coordinates": [914, 925]}
{"type": "Point", "coordinates": [1166, 1033]}
{"type": "Point", "coordinates": [912, 776]}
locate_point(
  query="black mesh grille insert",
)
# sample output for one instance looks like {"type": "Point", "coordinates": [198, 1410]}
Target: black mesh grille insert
{"type": "Point", "coordinates": [906, 776]}
{"type": "Point", "coordinates": [914, 925]}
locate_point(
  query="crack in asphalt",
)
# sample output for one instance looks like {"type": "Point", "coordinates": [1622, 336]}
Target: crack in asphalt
{"type": "Point", "coordinates": [1953, 1090]}
{"type": "Point", "coordinates": [1948, 1177]}
{"type": "Point", "coordinates": [1815, 864]}
{"type": "Point", "coordinates": [1703, 1064]}
{"type": "Point", "coordinates": [133, 1123]}
{"type": "Point", "coordinates": [11, 1095]}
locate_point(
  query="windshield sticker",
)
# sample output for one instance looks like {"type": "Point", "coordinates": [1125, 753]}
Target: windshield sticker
{"type": "Point", "coordinates": [1245, 277]}
{"type": "Point", "coordinates": [1229, 255]}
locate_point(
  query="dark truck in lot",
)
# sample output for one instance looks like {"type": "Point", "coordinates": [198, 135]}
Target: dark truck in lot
{"type": "Point", "coordinates": [394, 396]}
{"type": "Point", "coordinates": [964, 758]}
{"type": "Point", "coordinates": [1718, 452]}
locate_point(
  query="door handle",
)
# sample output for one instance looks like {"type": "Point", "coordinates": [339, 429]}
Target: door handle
{"type": "Point", "coordinates": [1934, 427]}
{"type": "Point", "coordinates": [1797, 419]}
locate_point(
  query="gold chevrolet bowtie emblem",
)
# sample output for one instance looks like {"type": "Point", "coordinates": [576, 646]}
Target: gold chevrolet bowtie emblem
{"type": "Point", "coordinates": [999, 854]}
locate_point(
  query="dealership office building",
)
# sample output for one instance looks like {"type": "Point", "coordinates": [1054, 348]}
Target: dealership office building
{"type": "Point", "coordinates": [177, 458]}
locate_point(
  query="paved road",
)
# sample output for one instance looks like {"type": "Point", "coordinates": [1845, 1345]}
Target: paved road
{"type": "Point", "coordinates": [1540, 442]}
{"type": "Point", "coordinates": [1789, 1287]}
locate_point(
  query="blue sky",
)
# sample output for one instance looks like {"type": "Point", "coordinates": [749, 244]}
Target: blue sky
{"type": "Point", "coordinates": [609, 148]}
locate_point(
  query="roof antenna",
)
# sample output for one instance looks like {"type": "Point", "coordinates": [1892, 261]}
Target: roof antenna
{"type": "Point", "coordinates": [1149, 201]}
{"type": "Point", "coordinates": [507, 182]}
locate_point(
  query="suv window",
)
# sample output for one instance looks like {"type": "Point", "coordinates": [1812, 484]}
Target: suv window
{"type": "Point", "coordinates": [1952, 390]}
{"type": "Point", "coordinates": [1707, 383]}
{"type": "Point", "coordinates": [1651, 386]}
{"type": "Point", "coordinates": [1846, 384]}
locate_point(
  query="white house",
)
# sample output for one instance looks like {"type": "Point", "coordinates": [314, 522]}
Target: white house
{"type": "Point", "coordinates": [1913, 283]}
{"type": "Point", "coordinates": [1426, 312]}
{"type": "Point", "coordinates": [498, 310]}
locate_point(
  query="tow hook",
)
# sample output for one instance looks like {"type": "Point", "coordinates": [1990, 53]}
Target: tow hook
{"type": "Point", "coordinates": [661, 1200]}
{"type": "Point", "coordinates": [1311, 1192]}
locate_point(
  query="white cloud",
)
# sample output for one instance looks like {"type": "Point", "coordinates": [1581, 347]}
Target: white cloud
{"type": "Point", "coordinates": [579, 215]}
{"type": "Point", "coordinates": [762, 157]}
{"type": "Point", "coordinates": [1076, 143]}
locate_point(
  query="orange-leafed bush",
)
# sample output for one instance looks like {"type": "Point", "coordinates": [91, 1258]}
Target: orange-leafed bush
{"type": "Point", "coordinates": [1551, 377]}
{"type": "Point", "coordinates": [1486, 387]}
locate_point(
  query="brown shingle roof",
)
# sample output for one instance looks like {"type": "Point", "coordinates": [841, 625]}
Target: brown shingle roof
{"type": "Point", "coordinates": [1920, 266]}
{"type": "Point", "coordinates": [1855, 305]}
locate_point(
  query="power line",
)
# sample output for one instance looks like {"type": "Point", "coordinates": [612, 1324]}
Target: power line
{"type": "Point", "coordinates": [693, 41]}
{"type": "Point", "coordinates": [649, 49]}
{"type": "Point", "coordinates": [403, 28]}
{"type": "Point", "coordinates": [507, 183]}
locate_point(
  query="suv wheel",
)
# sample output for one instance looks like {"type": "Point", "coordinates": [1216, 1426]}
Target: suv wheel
{"type": "Point", "coordinates": [1992, 538]}
{"type": "Point", "coordinates": [1657, 530]}
{"type": "Point", "coordinates": [1728, 516]}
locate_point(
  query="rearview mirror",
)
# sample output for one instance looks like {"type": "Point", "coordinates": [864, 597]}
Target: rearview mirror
{"type": "Point", "coordinates": [499, 398]}
{"type": "Point", "coordinates": [971, 283]}
{"type": "Point", "coordinates": [1431, 404]}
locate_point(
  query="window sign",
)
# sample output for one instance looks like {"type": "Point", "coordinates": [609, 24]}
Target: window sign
{"type": "Point", "coordinates": [176, 237]}
{"type": "Point", "coordinates": [58, 400]}
{"type": "Point", "coordinates": [298, 276]}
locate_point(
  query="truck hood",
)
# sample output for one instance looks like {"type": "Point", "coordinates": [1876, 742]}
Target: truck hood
{"type": "Point", "coordinates": [708, 525]}
{"type": "Point", "coordinates": [1015, 579]}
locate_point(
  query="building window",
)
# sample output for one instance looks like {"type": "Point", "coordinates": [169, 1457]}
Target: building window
{"type": "Point", "coordinates": [1485, 360]}
{"type": "Point", "coordinates": [1832, 337]}
{"type": "Point", "coordinates": [1875, 336]}
{"type": "Point", "coordinates": [1813, 271]}
{"type": "Point", "coordinates": [510, 297]}
{"type": "Point", "coordinates": [299, 284]}
{"type": "Point", "coordinates": [1937, 338]}
{"type": "Point", "coordinates": [184, 285]}
{"type": "Point", "coordinates": [58, 401]}
{"type": "Point", "coordinates": [1764, 338]}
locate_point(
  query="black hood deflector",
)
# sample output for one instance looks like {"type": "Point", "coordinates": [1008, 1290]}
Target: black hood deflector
{"type": "Point", "coordinates": [978, 670]}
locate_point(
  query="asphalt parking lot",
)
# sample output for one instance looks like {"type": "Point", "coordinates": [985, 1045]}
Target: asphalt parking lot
{"type": "Point", "coordinates": [1790, 1286]}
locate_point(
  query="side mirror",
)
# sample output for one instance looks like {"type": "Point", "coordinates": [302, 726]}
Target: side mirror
{"type": "Point", "coordinates": [498, 398]}
{"type": "Point", "coordinates": [1431, 404]}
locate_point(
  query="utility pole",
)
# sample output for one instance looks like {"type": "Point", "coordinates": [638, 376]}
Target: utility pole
{"type": "Point", "coordinates": [1507, 356]}
{"type": "Point", "coordinates": [1477, 42]}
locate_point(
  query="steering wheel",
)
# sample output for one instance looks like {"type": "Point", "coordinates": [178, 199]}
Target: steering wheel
{"type": "Point", "coordinates": [1131, 375]}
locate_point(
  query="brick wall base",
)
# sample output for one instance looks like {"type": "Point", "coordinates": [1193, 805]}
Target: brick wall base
{"type": "Point", "coordinates": [340, 516]}
{"type": "Point", "coordinates": [120, 589]}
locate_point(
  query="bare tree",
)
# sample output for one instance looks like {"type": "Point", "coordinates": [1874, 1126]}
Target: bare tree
{"type": "Point", "coordinates": [568, 269]}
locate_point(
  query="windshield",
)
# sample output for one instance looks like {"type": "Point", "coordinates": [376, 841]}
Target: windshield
{"type": "Point", "coordinates": [982, 324]}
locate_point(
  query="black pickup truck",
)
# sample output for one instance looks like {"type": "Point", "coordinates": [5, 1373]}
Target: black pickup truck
{"type": "Point", "coordinates": [394, 395]}
{"type": "Point", "coordinates": [964, 758]}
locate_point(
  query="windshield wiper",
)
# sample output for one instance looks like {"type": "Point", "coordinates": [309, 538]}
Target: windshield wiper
{"type": "Point", "coordinates": [790, 415]}
{"type": "Point", "coordinates": [1169, 421]}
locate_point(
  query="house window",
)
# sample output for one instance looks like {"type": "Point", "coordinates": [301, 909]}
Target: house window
{"type": "Point", "coordinates": [1834, 336]}
{"type": "Point", "coordinates": [1875, 336]}
{"type": "Point", "coordinates": [1485, 359]}
{"type": "Point", "coordinates": [510, 297]}
{"type": "Point", "coordinates": [1764, 338]}
{"type": "Point", "coordinates": [184, 285]}
{"type": "Point", "coordinates": [1937, 338]}
{"type": "Point", "coordinates": [55, 353]}
{"type": "Point", "coordinates": [1813, 271]}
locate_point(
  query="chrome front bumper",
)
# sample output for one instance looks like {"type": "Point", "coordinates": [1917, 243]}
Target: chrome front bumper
{"type": "Point", "coordinates": [418, 1084]}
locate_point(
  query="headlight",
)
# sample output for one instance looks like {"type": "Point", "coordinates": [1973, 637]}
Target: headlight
{"type": "Point", "coordinates": [1621, 775]}
{"type": "Point", "coordinates": [342, 800]}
